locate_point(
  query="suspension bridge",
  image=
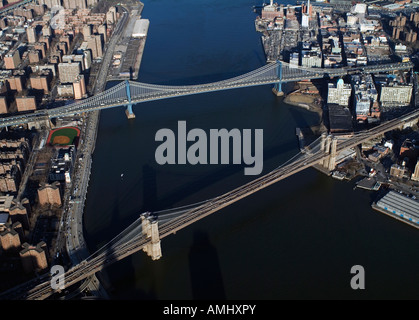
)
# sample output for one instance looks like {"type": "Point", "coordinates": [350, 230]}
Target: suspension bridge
{"type": "Point", "coordinates": [128, 93]}
{"type": "Point", "coordinates": [146, 232]}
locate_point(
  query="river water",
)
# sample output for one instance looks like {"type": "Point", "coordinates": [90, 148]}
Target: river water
{"type": "Point", "coordinates": [297, 239]}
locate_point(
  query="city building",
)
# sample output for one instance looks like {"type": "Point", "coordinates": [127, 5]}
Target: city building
{"type": "Point", "coordinates": [15, 83]}
{"type": "Point", "coordinates": [62, 164]}
{"type": "Point", "coordinates": [365, 97]}
{"type": "Point", "coordinates": [18, 212]}
{"type": "Point", "coordinates": [31, 34]}
{"type": "Point", "coordinates": [69, 71]}
{"type": "Point", "coordinates": [95, 44]}
{"type": "Point", "coordinates": [49, 194]}
{"type": "Point", "coordinates": [79, 87]}
{"type": "Point", "coordinates": [270, 12]}
{"type": "Point", "coordinates": [12, 60]}
{"type": "Point", "coordinates": [140, 28]}
{"type": "Point", "coordinates": [11, 236]}
{"type": "Point", "coordinates": [3, 105]}
{"type": "Point", "coordinates": [340, 119]}
{"type": "Point", "coordinates": [111, 15]}
{"type": "Point", "coordinates": [34, 56]}
{"type": "Point", "coordinates": [41, 81]}
{"type": "Point", "coordinates": [34, 258]}
{"type": "Point", "coordinates": [25, 103]}
{"type": "Point", "coordinates": [339, 93]}
{"type": "Point", "coordinates": [394, 92]}
{"type": "Point", "coordinates": [399, 171]}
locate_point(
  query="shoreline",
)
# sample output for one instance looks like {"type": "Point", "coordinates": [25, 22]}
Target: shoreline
{"type": "Point", "coordinates": [97, 284]}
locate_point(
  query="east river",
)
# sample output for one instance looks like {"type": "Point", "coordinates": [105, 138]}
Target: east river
{"type": "Point", "coordinates": [297, 239]}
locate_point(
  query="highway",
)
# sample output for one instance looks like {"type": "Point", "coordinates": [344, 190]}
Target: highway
{"type": "Point", "coordinates": [132, 239]}
{"type": "Point", "coordinates": [72, 227]}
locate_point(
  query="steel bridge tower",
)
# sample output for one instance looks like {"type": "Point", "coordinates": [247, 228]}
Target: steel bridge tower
{"type": "Point", "coordinates": [277, 89]}
{"type": "Point", "coordinates": [130, 114]}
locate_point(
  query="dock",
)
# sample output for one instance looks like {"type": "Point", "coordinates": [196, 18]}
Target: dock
{"type": "Point", "coordinates": [128, 53]}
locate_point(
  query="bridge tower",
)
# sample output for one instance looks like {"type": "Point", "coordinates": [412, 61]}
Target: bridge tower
{"type": "Point", "coordinates": [332, 158]}
{"type": "Point", "coordinates": [328, 144]}
{"type": "Point", "coordinates": [130, 114]}
{"type": "Point", "coordinates": [277, 89]}
{"type": "Point", "coordinates": [151, 227]}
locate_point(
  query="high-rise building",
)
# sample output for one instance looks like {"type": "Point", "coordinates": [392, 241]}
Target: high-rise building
{"type": "Point", "coordinates": [11, 237]}
{"type": "Point", "coordinates": [111, 16]}
{"type": "Point", "coordinates": [34, 56]}
{"type": "Point", "coordinates": [31, 33]}
{"type": "Point", "coordinates": [103, 31]}
{"type": "Point", "coordinates": [34, 258]}
{"type": "Point", "coordinates": [339, 93]}
{"type": "Point", "coordinates": [25, 103]}
{"type": "Point", "coordinates": [3, 105]}
{"type": "Point", "coordinates": [68, 72]}
{"type": "Point", "coordinates": [15, 83]}
{"type": "Point", "coordinates": [46, 30]}
{"type": "Point", "coordinates": [46, 40]}
{"type": "Point", "coordinates": [12, 60]}
{"type": "Point", "coordinates": [50, 3]}
{"type": "Point", "coordinates": [95, 44]}
{"type": "Point", "coordinates": [49, 194]}
{"type": "Point", "coordinates": [79, 87]}
{"type": "Point", "coordinates": [19, 213]}
{"type": "Point", "coordinates": [87, 31]}
{"type": "Point", "coordinates": [63, 47]}
{"type": "Point", "coordinates": [396, 94]}
{"type": "Point", "coordinates": [41, 81]}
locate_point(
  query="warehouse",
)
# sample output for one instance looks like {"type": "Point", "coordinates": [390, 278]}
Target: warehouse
{"type": "Point", "coordinates": [399, 206]}
{"type": "Point", "coordinates": [140, 28]}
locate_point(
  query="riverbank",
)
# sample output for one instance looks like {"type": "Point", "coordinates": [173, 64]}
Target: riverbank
{"type": "Point", "coordinates": [77, 248]}
{"type": "Point", "coordinates": [309, 102]}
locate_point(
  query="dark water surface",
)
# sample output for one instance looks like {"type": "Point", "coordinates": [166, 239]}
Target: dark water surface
{"type": "Point", "coordinates": [296, 239]}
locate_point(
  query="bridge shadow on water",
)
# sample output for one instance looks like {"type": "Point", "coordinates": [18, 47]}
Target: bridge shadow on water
{"type": "Point", "coordinates": [204, 267]}
{"type": "Point", "coordinates": [149, 180]}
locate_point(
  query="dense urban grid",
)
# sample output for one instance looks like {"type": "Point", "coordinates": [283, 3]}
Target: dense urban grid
{"type": "Point", "coordinates": [55, 52]}
{"type": "Point", "coordinates": [337, 35]}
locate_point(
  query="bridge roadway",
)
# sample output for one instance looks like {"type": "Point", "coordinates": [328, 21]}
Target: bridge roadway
{"type": "Point", "coordinates": [134, 240]}
{"type": "Point", "coordinates": [142, 92]}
